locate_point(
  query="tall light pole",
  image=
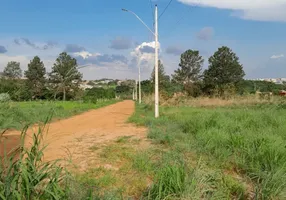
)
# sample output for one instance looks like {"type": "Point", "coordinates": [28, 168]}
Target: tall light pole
{"type": "Point", "coordinates": [156, 65]}
{"type": "Point", "coordinates": [136, 93]}
{"type": "Point", "coordinates": [139, 80]}
{"type": "Point", "coordinates": [156, 56]}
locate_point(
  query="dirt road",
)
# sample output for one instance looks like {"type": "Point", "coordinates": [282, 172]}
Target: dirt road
{"type": "Point", "coordinates": [72, 138]}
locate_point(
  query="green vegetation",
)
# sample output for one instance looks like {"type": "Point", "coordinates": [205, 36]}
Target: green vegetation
{"type": "Point", "coordinates": [65, 77]}
{"type": "Point", "coordinates": [92, 95]}
{"type": "Point", "coordinates": [36, 77]}
{"type": "Point", "coordinates": [240, 150]}
{"type": "Point", "coordinates": [162, 77]}
{"type": "Point", "coordinates": [231, 152]}
{"type": "Point", "coordinates": [15, 115]}
{"type": "Point", "coordinates": [190, 67]}
{"type": "Point", "coordinates": [224, 71]}
{"type": "Point", "coordinates": [23, 175]}
{"type": "Point", "coordinates": [250, 87]}
{"type": "Point", "coordinates": [12, 70]}
{"type": "Point", "coordinates": [222, 79]}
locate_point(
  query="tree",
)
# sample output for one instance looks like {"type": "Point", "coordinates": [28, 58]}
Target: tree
{"type": "Point", "coordinates": [12, 70]}
{"type": "Point", "coordinates": [189, 72]}
{"type": "Point", "coordinates": [65, 76]}
{"type": "Point", "coordinates": [163, 78]}
{"type": "Point", "coordinates": [16, 88]}
{"type": "Point", "coordinates": [36, 77]}
{"type": "Point", "coordinates": [190, 67]}
{"type": "Point", "coordinates": [224, 69]}
{"type": "Point", "coordinates": [130, 83]}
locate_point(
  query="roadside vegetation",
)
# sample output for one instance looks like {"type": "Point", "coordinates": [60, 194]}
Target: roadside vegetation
{"type": "Point", "coordinates": [226, 152]}
{"type": "Point", "coordinates": [239, 151]}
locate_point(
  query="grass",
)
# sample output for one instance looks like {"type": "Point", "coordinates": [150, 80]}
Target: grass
{"type": "Point", "coordinates": [227, 152]}
{"type": "Point", "coordinates": [213, 102]}
{"type": "Point", "coordinates": [23, 175]}
{"type": "Point", "coordinates": [15, 115]}
{"type": "Point", "coordinates": [242, 149]}
{"type": "Point", "coordinates": [169, 183]}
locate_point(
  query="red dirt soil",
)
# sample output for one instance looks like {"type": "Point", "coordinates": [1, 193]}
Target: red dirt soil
{"type": "Point", "coordinates": [72, 138]}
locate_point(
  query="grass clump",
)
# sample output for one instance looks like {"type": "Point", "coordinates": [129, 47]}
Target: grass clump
{"type": "Point", "coordinates": [169, 183]}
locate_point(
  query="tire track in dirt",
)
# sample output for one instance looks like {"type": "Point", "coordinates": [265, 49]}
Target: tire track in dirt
{"type": "Point", "coordinates": [72, 138]}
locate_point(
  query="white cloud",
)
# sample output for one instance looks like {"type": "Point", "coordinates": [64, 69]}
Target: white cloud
{"type": "Point", "coordinates": [101, 65]}
{"type": "Point", "coordinates": [261, 10]}
{"type": "Point", "coordinates": [277, 56]}
{"type": "Point", "coordinates": [144, 54]}
{"type": "Point", "coordinates": [86, 54]}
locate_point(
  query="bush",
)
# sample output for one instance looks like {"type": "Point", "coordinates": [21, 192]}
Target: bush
{"type": "Point", "coordinates": [4, 97]}
{"type": "Point", "coordinates": [92, 95]}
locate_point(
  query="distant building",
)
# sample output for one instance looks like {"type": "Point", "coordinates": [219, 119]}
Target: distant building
{"type": "Point", "coordinates": [85, 86]}
{"type": "Point", "coordinates": [272, 80]}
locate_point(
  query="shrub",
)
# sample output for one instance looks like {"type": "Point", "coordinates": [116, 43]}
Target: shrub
{"type": "Point", "coordinates": [92, 95]}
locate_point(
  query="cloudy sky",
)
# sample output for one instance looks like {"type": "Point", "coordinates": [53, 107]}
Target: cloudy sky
{"type": "Point", "coordinates": [113, 43]}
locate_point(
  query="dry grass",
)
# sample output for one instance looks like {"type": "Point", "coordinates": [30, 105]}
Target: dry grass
{"type": "Point", "coordinates": [182, 100]}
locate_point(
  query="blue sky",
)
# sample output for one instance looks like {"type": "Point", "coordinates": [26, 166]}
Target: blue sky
{"type": "Point", "coordinates": [99, 33]}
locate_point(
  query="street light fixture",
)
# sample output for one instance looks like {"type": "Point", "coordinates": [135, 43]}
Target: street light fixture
{"type": "Point", "coordinates": [156, 58]}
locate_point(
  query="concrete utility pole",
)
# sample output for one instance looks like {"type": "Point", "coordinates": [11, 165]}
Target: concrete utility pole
{"type": "Point", "coordinates": [136, 94]}
{"type": "Point", "coordinates": [139, 81]}
{"type": "Point", "coordinates": [133, 94]}
{"type": "Point", "coordinates": [156, 65]}
{"type": "Point", "coordinates": [156, 60]}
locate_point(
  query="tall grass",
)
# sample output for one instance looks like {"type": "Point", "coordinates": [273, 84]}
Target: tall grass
{"type": "Point", "coordinates": [169, 183]}
{"type": "Point", "coordinates": [23, 174]}
{"type": "Point", "coordinates": [182, 100]}
{"type": "Point", "coordinates": [249, 141]}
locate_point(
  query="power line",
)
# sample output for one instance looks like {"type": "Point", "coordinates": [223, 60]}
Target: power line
{"type": "Point", "coordinates": [181, 19]}
{"type": "Point", "coordinates": [165, 9]}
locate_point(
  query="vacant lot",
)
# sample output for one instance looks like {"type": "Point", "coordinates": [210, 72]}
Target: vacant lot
{"type": "Point", "coordinates": [233, 152]}
{"type": "Point", "coordinates": [217, 153]}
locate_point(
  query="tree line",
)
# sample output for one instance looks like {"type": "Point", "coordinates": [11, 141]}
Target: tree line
{"type": "Point", "coordinates": [61, 83]}
{"type": "Point", "coordinates": [224, 76]}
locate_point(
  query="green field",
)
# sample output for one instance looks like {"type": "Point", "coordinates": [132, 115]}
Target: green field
{"type": "Point", "coordinates": [233, 152]}
{"type": "Point", "coordinates": [15, 115]}
{"type": "Point", "coordinates": [226, 152]}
